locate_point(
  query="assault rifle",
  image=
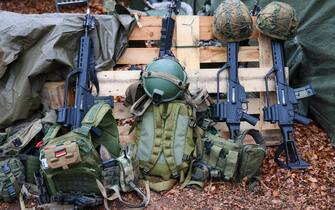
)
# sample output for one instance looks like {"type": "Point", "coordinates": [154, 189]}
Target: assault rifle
{"type": "Point", "coordinates": [232, 111]}
{"type": "Point", "coordinates": [167, 29]}
{"type": "Point", "coordinates": [86, 78]}
{"type": "Point", "coordinates": [284, 112]}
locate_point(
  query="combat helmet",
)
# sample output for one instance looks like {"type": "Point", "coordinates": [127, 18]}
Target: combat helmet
{"type": "Point", "coordinates": [278, 20]}
{"type": "Point", "coordinates": [232, 22]}
{"type": "Point", "coordinates": [164, 79]}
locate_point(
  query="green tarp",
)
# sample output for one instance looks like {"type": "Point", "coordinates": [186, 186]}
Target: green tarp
{"type": "Point", "coordinates": [37, 48]}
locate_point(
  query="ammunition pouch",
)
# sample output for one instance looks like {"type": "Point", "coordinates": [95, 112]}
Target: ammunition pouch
{"type": "Point", "coordinates": [229, 160]}
{"type": "Point", "coordinates": [120, 175]}
{"type": "Point", "coordinates": [63, 155]}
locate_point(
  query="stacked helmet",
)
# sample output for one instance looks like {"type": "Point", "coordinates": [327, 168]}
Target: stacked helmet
{"type": "Point", "coordinates": [232, 22]}
{"type": "Point", "coordinates": [164, 79]}
{"type": "Point", "coordinates": [278, 20]}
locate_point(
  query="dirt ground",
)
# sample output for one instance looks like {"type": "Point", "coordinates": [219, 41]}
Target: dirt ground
{"type": "Point", "coordinates": [280, 189]}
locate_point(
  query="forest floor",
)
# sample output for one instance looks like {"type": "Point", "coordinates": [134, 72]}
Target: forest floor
{"type": "Point", "coordinates": [279, 189]}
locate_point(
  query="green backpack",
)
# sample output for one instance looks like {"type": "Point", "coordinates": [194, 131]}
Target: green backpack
{"type": "Point", "coordinates": [70, 163]}
{"type": "Point", "coordinates": [164, 145]}
{"type": "Point", "coordinates": [11, 178]}
{"type": "Point", "coordinates": [228, 160]}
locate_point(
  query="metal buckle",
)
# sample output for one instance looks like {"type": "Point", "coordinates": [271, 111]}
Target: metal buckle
{"type": "Point", "coordinates": [17, 142]}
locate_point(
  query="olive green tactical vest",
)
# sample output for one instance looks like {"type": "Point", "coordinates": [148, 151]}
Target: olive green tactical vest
{"type": "Point", "coordinates": [229, 160]}
{"type": "Point", "coordinates": [164, 145]}
{"type": "Point", "coordinates": [70, 163]}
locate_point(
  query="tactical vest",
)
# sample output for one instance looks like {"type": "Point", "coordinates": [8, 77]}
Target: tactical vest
{"type": "Point", "coordinates": [11, 178]}
{"type": "Point", "coordinates": [164, 145]}
{"type": "Point", "coordinates": [70, 163]}
{"type": "Point", "coordinates": [229, 160]}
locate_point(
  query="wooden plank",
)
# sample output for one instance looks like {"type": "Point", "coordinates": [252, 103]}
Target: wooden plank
{"type": "Point", "coordinates": [219, 54]}
{"type": "Point", "coordinates": [207, 55]}
{"type": "Point", "coordinates": [116, 82]}
{"type": "Point", "coordinates": [188, 35]}
{"type": "Point", "coordinates": [265, 61]}
{"type": "Point", "coordinates": [151, 29]}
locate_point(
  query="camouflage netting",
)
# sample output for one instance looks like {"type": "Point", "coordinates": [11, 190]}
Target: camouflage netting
{"type": "Point", "coordinates": [232, 22]}
{"type": "Point", "coordinates": [278, 20]}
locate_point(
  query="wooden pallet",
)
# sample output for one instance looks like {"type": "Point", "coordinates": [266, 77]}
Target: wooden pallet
{"type": "Point", "coordinates": [188, 31]}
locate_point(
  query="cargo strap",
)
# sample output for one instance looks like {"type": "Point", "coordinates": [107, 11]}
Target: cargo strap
{"type": "Point", "coordinates": [93, 118]}
{"type": "Point", "coordinates": [169, 77]}
{"type": "Point", "coordinates": [117, 195]}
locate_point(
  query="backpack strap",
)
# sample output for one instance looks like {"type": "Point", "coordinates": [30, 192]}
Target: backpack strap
{"type": "Point", "coordinates": [169, 77]}
{"type": "Point", "coordinates": [169, 136]}
{"type": "Point", "coordinates": [93, 118]}
{"type": "Point", "coordinates": [158, 136]}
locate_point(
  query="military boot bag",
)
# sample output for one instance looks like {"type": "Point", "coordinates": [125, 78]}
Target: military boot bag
{"type": "Point", "coordinates": [71, 163]}
{"type": "Point", "coordinates": [165, 145]}
{"type": "Point", "coordinates": [228, 160]}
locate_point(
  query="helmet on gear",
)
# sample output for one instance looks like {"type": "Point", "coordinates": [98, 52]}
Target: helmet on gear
{"type": "Point", "coordinates": [164, 79]}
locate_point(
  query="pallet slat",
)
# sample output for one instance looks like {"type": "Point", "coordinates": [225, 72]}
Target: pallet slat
{"type": "Point", "coordinates": [151, 29]}
{"type": "Point", "coordinates": [207, 55]}
{"type": "Point", "coordinates": [115, 83]}
{"type": "Point", "coordinates": [188, 57]}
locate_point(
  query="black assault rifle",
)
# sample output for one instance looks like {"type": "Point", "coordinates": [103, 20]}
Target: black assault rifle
{"type": "Point", "coordinates": [86, 77]}
{"type": "Point", "coordinates": [167, 29]}
{"type": "Point", "coordinates": [232, 111]}
{"type": "Point", "coordinates": [284, 112]}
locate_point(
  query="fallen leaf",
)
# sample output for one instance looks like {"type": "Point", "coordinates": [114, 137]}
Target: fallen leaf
{"type": "Point", "coordinates": [312, 179]}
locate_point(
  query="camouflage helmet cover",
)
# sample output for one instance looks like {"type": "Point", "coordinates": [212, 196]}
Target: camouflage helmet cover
{"type": "Point", "coordinates": [232, 21]}
{"type": "Point", "coordinates": [278, 20]}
